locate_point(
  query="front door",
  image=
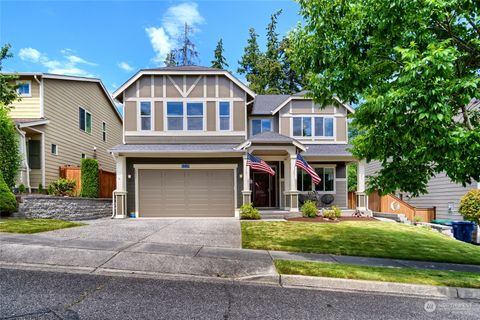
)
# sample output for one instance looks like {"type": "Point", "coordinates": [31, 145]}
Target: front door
{"type": "Point", "coordinates": [263, 190]}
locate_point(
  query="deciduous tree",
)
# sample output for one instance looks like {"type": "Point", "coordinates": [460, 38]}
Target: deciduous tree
{"type": "Point", "coordinates": [413, 68]}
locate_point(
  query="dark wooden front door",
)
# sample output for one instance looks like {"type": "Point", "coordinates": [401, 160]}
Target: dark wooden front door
{"type": "Point", "coordinates": [263, 190]}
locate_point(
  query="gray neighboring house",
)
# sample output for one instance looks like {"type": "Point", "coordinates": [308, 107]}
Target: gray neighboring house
{"type": "Point", "coordinates": [442, 193]}
{"type": "Point", "coordinates": [60, 120]}
{"type": "Point", "coordinates": [187, 132]}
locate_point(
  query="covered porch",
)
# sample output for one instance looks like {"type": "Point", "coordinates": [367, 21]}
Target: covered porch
{"type": "Point", "coordinates": [290, 186]}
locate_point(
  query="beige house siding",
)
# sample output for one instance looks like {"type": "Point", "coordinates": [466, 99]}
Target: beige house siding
{"type": "Point", "coordinates": [441, 191]}
{"type": "Point", "coordinates": [308, 108]}
{"type": "Point", "coordinates": [62, 100]}
{"type": "Point", "coordinates": [28, 107]}
{"type": "Point", "coordinates": [196, 88]}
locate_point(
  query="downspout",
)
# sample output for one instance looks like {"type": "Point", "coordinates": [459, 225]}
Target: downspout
{"type": "Point", "coordinates": [24, 156]}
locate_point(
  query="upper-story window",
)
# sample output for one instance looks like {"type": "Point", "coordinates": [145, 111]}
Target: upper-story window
{"type": "Point", "coordinates": [224, 115]}
{"type": "Point", "coordinates": [84, 120]}
{"type": "Point", "coordinates": [24, 88]}
{"type": "Point", "coordinates": [174, 115]}
{"type": "Point", "coordinates": [261, 125]}
{"type": "Point", "coordinates": [145, 115]}
{"type": "Point", "coordinates": [188, 115]}
{"type": "Point", "coordinates": [327, 183]}
{"type": "Point", "coordinates": [317, 126]}
{"type": "Point", "coordinates": [104, 131]}
{"type": "Point", "coordinates": [194, 116]}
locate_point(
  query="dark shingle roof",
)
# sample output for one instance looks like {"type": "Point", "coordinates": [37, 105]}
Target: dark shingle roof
{"type": "Point", "coordinates": [327, 150]}
{"type": "Point", "coordinates": [271, 137]}
{"type": "Point", "coordinates": [152, 148]}
{"type": "Point", "coordinates": [264, 104]}
{"type": "Point", "coordinates": [186, 68]}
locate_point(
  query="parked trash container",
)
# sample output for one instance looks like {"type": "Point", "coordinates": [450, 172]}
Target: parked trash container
{"type": "Point", "coordinates": [462, 230]}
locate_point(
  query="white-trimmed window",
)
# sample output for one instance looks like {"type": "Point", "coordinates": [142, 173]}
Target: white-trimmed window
{"type": "Point", "coordinates": [104, 131]}
{"type": "Point", "coordinates": [84, 120]}
{"type": "Point", "coordinates": [313, 126]}
{"type": "Point", "coordinates": [175, 116]}
{"type": "Point", "coordinates": [261, 125]}
{"type": "Point", "coordinates": [24, 88]}
{"type": "Point", "coordinates": [224, 115]}
{"type": "Point", "coordinates": [327, 183]}
{"type": "Point", "coordinates": [194, 116]}
{"type": "Point", "coordinates": [189, 116]}
{"type": "Point", "coordinates": [145, 115]}
{"type": "Point", "coordinates": [84, 156]}
{"type": "Point", "coordinates": [302, 126]}
{"type": "Point", "coordinates": [54, 149]}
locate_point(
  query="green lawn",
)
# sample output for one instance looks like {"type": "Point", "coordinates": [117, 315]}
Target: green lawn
{"type": "Point", "coordinates": [405, 275]}
{"type": "Point", "coordinates": [35, 225]}
{"type": "Point", "coordinates": [368, 239]}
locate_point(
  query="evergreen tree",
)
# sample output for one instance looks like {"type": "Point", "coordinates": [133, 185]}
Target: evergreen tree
{"type": "Point", "coordinates": [219, 60]}
{"type": "Point", "coordinates": [292, 81]}
{"type": "Point", "coordinates": [249, 63]}
{"type": "Point", "coordinates": [187, 54]}
{"type": "Point", "coordinates": [170, 60]}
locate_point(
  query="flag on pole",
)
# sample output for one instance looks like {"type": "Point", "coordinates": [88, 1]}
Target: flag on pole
{"type": "Point", "coordinates": [258, 164]}
{"type": "Point", "coordinates": [303, 164]}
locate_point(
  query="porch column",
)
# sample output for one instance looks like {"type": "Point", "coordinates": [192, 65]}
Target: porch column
{"type": "Point", "coordinates": [246, 192]}
{"type": "Point", "coordinates": [362, 199]}
{"type": "Point", "coordinates": [293, 184]}
{"type": "Point", "coordinates": [120, 193]}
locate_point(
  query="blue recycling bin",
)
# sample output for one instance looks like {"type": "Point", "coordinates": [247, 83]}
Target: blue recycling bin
{"type": "Point", "coordinates": [462, 230]}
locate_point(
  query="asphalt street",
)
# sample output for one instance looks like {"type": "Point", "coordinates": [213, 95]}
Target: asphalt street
{"type": "Point", "coordinates": [27, 294]}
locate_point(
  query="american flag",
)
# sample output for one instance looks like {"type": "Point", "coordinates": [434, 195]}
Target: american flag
{"type": "Point", "coordinates": [258, 164]}
{"type": "Point", "coordinates": [303, 164]}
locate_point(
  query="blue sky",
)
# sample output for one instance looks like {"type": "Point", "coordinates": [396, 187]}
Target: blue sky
{"type": "Point", "coordinates": [113, 39]}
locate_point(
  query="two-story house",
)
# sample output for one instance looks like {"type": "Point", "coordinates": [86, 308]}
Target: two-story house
{"type": "Point", "coordinates": [60, 120]}
{"type": "Point", "coordinates": [187, 132]}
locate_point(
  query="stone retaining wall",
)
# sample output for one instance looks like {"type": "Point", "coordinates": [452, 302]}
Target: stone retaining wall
{"type": "Point", "coordinates": [66, 208]}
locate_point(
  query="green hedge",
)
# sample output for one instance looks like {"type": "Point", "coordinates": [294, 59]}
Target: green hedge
{"type": "Point", "coordinates": [8, 202]}
{"type": "Point", "coordinates": [90, 178]}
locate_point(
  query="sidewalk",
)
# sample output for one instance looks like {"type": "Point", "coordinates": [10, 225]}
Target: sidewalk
{"type": "Point", "coordinates": [167, 258]}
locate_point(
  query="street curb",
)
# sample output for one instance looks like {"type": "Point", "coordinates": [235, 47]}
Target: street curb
{"type": "Point", "coordinates": [296, 281]}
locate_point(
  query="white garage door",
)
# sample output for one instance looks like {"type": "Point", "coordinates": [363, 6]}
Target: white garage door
{"type": "Point", "coordinates": [185, 193]}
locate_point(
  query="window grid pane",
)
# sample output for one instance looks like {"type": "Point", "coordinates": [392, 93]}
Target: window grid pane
{"type": "Point", "coordinates": [307, 127]}
{"type": "Point", "coordinates": [81, 119]}
{"type": "Point", "coordinates": [297, 127]}
{"type": "Point", "coordinates": [88, 122]}
{"type": "Point", "coordinates": [224, 123]}
{"type": "Point", "coordinates": [319, 126]}
{"type": "Point", "coordinates": [329, 179]}
{"type": "Point", "coordinates": [329, 127]}
{"type": "Point", "coordinates": [256, 127]}
{"type": "Point", "coordinates": [175, 123]}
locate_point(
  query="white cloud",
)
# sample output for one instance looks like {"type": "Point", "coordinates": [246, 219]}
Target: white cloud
{"type": "Point", "coordinates": [125, 66]}
{"type": "Point", "coordinates": [29, 54]}
{"type": "Point", "coordinates": [165, 37]}
{"type": "Point", "coordinates": [68, 65]}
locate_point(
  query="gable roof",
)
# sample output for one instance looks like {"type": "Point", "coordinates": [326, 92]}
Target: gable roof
{"type": "Point", "coordinates": [181, 70]}
{"type": "Point", "coordinates": [270, 137]}
{"type": "Point", "coordinates": [265, 103]}
{"type": "Point", "coordinates": [72, 78]}
{"type": "Point", "coordinates": [301, 96]}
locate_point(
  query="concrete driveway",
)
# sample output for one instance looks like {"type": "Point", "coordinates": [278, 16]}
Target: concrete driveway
{"type": "Point", "coordinates": [198, 232]}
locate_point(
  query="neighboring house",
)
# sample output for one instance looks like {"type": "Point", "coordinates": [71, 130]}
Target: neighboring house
{"type": "Point", "coordinates": [187, 132]}
{"type": "Point", "coordinates": [60, 120]}
{"type": "Point", "coordinates": [442, 193]}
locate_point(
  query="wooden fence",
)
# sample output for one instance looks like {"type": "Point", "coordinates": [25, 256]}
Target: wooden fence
{"type": "Point", "coordinates": [392, 204]}
{"type": "Point", "coordinates": [352, 200]}
{"type": "Point", "coordinates": [108, 180]}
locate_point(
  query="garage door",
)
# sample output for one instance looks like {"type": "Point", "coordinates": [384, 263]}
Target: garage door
{"type": "Point", "coordinates": [185, 193]}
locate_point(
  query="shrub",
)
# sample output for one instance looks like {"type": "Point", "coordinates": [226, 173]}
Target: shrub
{"type": "Point", "coordinates": [309, 209]}
{"type": "Point", "coordinates": [9, 148]}
{"type": "Point", "coordinates": [90, 180]}
{"type": "Point", "coordinates": [333, 213]}
{"type": "Point", "coordinates": [40, 188]}
{"type": "Point", "coordinates": [62, 187]}
{"type": "Point", "coordinates": [22, 189]}
{"type": "Point", "coordinates": [248, 212]}
{"type": "Point", "coordinates": [470, 206]}
{"type": "Point", "coordinates": [8, 202]}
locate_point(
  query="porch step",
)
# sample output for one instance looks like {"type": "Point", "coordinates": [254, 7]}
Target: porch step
{"type": "Point", "coordinates": [273, 214]}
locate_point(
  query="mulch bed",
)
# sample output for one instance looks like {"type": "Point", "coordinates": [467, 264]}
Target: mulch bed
{"type": "Point", "coordinates": [322, 220]}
